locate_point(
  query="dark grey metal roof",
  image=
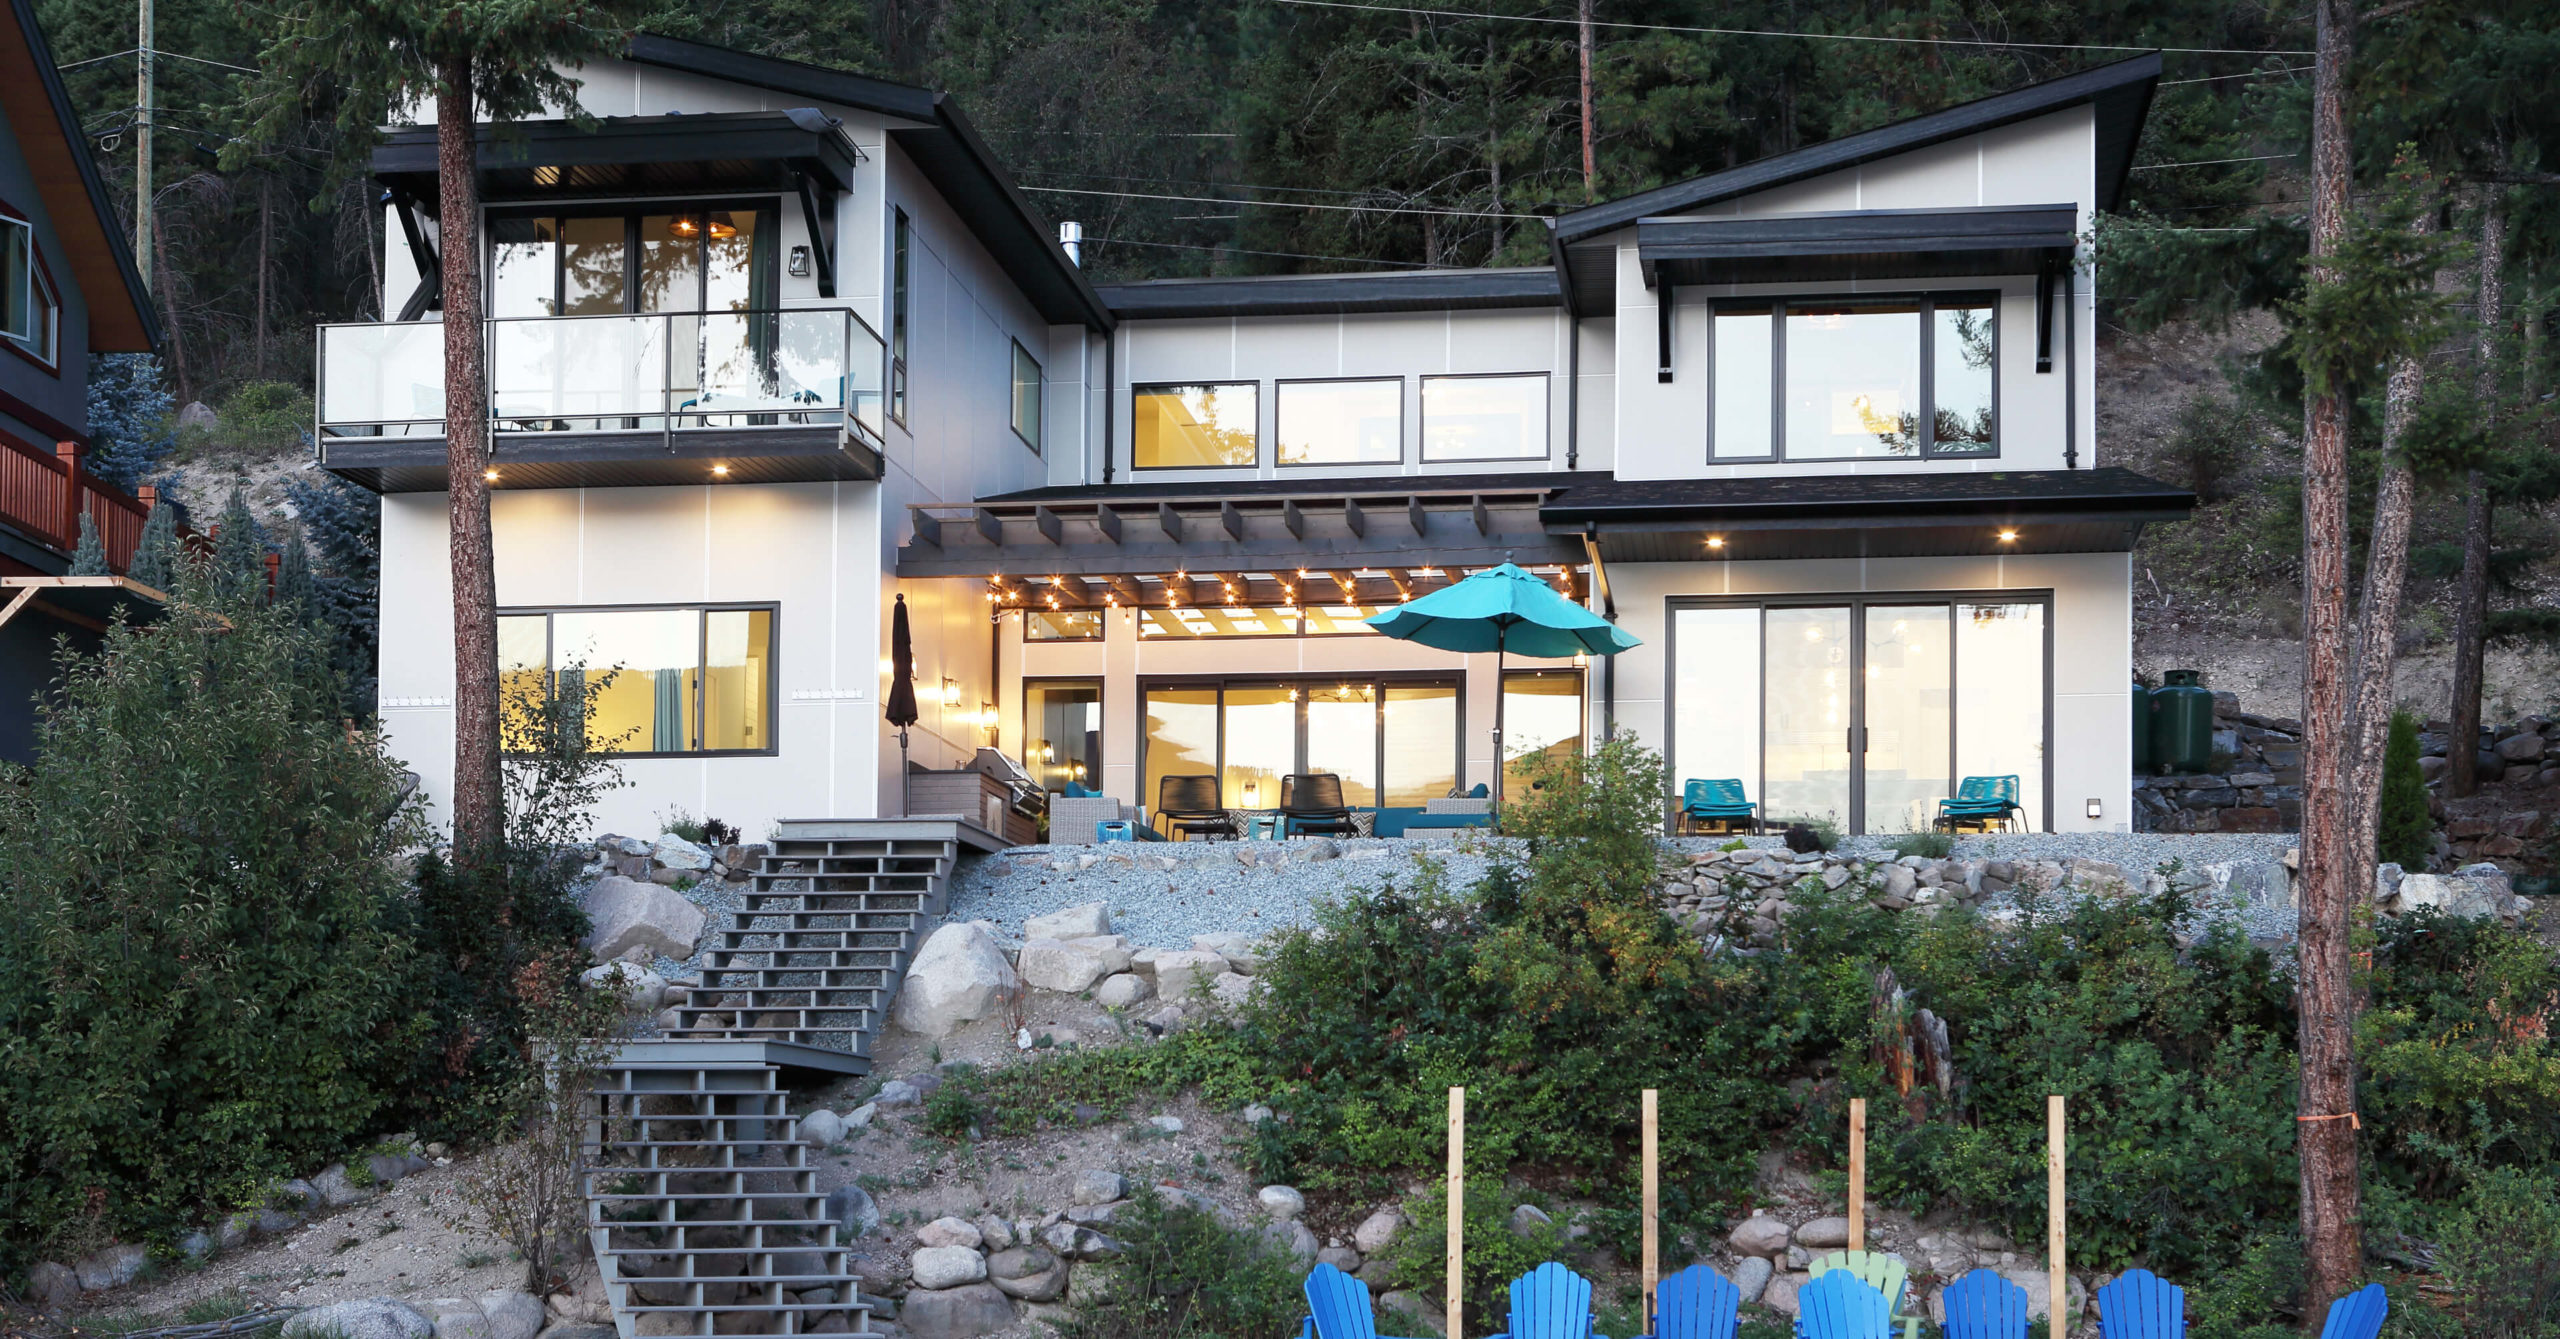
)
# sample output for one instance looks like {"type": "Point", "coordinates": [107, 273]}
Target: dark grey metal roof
{"type": "Point", "coordinates": [1326, 294]}
{"type": "Point", "coordinates": [1855, 244]}
{"type": "Point", "coordinates": [712, 151]}
{"type": "Point", "coordinates": [945, 148]}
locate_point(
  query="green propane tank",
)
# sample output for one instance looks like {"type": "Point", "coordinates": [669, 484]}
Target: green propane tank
{"type": "Point", "coordinates": [2182, 722]}
{"type": "Point", "coordinates": [2141, 728]}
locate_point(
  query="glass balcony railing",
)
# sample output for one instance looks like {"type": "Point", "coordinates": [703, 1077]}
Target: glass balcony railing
{"type": "Point", "coordinates": [651, 372]}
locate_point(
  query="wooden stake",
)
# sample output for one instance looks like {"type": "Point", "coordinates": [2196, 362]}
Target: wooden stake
{"type": "Point", "coordinates": [1652, 1201]}
{"type": "Point", "coordinates": [2058, 1284]}
{"type": "Point", "coordinates": [1857, 1173]}
{"type": "Point", "coordinates": [1457, 1209]}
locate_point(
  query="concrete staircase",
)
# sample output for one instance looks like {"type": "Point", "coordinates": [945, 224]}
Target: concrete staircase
{"type": "Point", "coordinates": [702, 1202]}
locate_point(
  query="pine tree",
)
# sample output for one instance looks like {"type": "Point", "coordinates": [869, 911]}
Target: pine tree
{"type": "Point", "coordinates": [294, 591]}
{"type": "Point", "coordinates": [89, 559]}
{"type": "Point", "coordinates": [239, 549]}
{"type": "Point", "coordinates": [343, 524]}
{"type": "Point", "coordinates": [129, 411]}
{"type": "Point", "coordinates": [155, 555]}
{"type": "Point", "coordinates": [2405, 833]}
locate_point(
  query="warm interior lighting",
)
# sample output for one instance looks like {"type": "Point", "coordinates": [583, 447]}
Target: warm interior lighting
{"type": "Point", "coordinates": [1715, 541]}
{"type": "Point", "coordinates": [2008, 536]}
{"type": "Point", "coordinates": [720, 469]}
{"type": "Point", "coordinates": [950, 692]}
{"type": "Point", "coordinates": [723, 228]}
{"type": "Point", "coordinates": [685, 225]}
{"type": "Point", "coordinates": [2096, 809]}
{"type": "Point", "coordinates": [490, 475]}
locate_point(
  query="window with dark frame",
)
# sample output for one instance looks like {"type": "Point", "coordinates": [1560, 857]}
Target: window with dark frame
{"type": "Point", "coordinates": [1195, 426]}
{"type": "Point", "coordinates": [1026, 397]}
{"type": "Point", "coordinates": [1392, 740]}
{"type": "Point", "coordinates": [662, 680]}
{"type": "Point", "coordinates": [898, 290]}
{"type": "Point", "coordinates": [691, 256]}
{"type": "Point", "coordinates": [1913, 377]}
{"type": "Point", "coordinates": [30, 306]}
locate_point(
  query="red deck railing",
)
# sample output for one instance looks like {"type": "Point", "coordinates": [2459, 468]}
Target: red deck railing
{"type": "Point", "coordinates": [44, 496]}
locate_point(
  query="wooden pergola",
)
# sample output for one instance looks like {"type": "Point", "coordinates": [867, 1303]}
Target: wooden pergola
{"type": "Point", "coordinates": [86, 602]}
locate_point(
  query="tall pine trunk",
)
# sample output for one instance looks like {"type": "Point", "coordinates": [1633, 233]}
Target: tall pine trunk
{"type": "Point", "coordinates": [2332, 1237]}
{"type": "Point", "coordinates": [2386, 575]}
{"type": "Point", "coordinates": [2471, 596]}
{"type": "Point", "coordinates": [478, 813]}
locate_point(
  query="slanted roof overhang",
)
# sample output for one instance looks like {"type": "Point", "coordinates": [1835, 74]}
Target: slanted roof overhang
{"type": "Point", "coordinates": [945, 148]}
{"type": "Point", "coordinates": [1856, 244]}
{"type": "Point", "coordinates": [47, 130]}
{"type": "Point", "coordinates": [1907, 514]}
{"type": "Point", "coordinates": [633, 155]}
{"type": "Point", "coordinates": [1131, 544]}
{"type": "Point", "coordinates": [1334, 294]}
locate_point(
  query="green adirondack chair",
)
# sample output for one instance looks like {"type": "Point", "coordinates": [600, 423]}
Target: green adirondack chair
{"type": "Point", "coordinates": [1881, 1272]}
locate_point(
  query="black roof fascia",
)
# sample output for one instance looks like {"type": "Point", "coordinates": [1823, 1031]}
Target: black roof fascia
{"type": "Point", "coordinates": [1797, 499]}
{"type": "Point", "coordinates": [1874, 243]}
{"type": "Point", "coordinates": [109, 221]}
{"type": "Point", "coordinates": [1327, 294]}
{"type": "Point", "coordinates": [2121, 91]}
{"type": "Point", "coordinates": [1273, 490]}
{"type": "Point", "coordinates": [945, 147]}
{"type": "Point", "coordinates": [800, 135]}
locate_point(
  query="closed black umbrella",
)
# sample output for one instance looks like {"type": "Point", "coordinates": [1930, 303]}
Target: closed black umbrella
{"type": "Point", "coordinates": [900, 709]}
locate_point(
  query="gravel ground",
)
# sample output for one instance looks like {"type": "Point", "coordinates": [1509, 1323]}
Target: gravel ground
{"type": "Point", "coordinates": [1162, 893]}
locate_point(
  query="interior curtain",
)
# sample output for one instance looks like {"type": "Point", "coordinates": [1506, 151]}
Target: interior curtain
{"type": "Point", "coordinates": [666, 733]}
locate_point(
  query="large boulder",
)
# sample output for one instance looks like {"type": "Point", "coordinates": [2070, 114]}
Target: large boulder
{"type": "Point", "coordinates": [363, 1318]}
{"type": "Point", "coordinates": [1094, 1186]}
{"type": "Point", "coordinates": [628, 914]}
{"type": "Point", "coordinates": [1751, 1275]}
{"type": "Point", "coordinates": [1028, 1274]}
{"type": "Point", "coordinates": [1078, 922]}
{"type": "Point", "coordinates": [112, 1267]}
{"type": "Point", "coordinates": [959, 976]}
{"type": "Point", "coordinates": [643, 990]}
{"type": "Point", "coordinates": [1761, 1236]}
{"type": "Point", "coordinates": [675, 852]}
{"type": "Point", "coordinates": [1294, 1237]}
{"type": "Point", "coordinates": [1281, 1202]}
{"type": "Point", "coordinates": [511, 1314]}
{"type": "Point", "coordinates": [853, 1211]}
{"type": "Point", "coordinates": [939, 1267]}
{"type": "Point", "coordinates": [951, 1232]}
{"type": "Point", "coordinates": [965, 1312]}
{"type": "Point", "coordinates": [1123, 991]}
{"type": "Point", "coordinates": [1824, 1234]}
{"type": "Point", "coordinates": [822, 1129]}
{"type": "Point", "coordinates": [1063, 965]}
{"type": "Point", "coordinates": [52, 1286]}
{"type": "Point", "coordinates": [1376, 1231]}
{"type": "Point", "coordinates": [1178, 973]}
{"type": "Point", "coordinates": [2460, 894]}
{"type": "Point", "coordinates": [2039, 1286]}
{"type": "Point", "coordinates": [1779, 1294]}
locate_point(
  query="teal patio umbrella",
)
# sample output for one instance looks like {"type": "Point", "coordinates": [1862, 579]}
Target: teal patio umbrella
{"type": "Point", "coordinates": [1503, 610]}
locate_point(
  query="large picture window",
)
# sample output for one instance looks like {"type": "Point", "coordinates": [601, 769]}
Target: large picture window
{"type": "Point", "coordinates": [1207, 425]}
{"type": "Point", "coordinates": [669, 260]}
{"type": "Point", "coordinates": [1541, 718]}
{"type": "Point", "coordinates": [1855, 378]}
{"type": "Point", "coordinates": [665, 681]}
{"type": "Point", "coordinates": [1484, 417]}
{"type": "Point", "coordinates": [1341, 422]}
{"type": "Point", "coordinates": [1393, 742]}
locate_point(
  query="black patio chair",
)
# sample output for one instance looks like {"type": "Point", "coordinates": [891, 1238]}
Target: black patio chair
{"type": "Point", "coordinates": [1311, 805]}
{"type": "Point", "coordinates": [1188, 805]}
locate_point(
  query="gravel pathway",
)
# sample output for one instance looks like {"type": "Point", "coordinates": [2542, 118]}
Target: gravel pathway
{"type": "Point", "coordinates": [1163, 893]}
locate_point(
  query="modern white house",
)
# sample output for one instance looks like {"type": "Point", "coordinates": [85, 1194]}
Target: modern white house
{"type": "Point", "coordinates": [775, 346]}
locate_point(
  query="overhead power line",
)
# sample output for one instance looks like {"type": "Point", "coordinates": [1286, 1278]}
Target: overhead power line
{"type": "Point", "coordinates": [2245, 74]}
{"type": "Point", "coordinates": [1292, 204]}
{"type": "Point", "coordinates": [1248, 251]}
{"type": "Point", "coordinates": [166, 55]}
{"type": "Point", "coordinates": [2210, 162]}
{"type": "Point", "coordinates": [1817, 37]}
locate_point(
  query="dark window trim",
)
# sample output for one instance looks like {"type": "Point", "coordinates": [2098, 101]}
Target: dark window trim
{"type": "Point", "coordinates": [1581, 676]}
{"type": "Point", "coordinates": [1139, 388]}
{"type": "Point", "coordinates": [40, 273]}
{"type": "Point", "coordinates": [1023, 627]}
{"type": "Point", "coordinates": [1102, 700]}
{"type": "Point", "coordinates": [1380, 679]}
{"type": "Point", "coordinates": [766, 208]}
{"type": "Point", "coordinates": [1777, 305]}
{"type": "Point", "coordinates": [1546, 422]}
{"type": "Point", "coordinates": [1857, 602]}
{"type": "Point", "coordinates": [901, 285]}
{"type": "Point", "coordinates": [1013, 382]}
{"type": "Point", "coordinates": [1277, 446]}
{"type": "Point", "coordinates": [702, 636]}
{"type": "Point", "coordinates": [1137, 613]}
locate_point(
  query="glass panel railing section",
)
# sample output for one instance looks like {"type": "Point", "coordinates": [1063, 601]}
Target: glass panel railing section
{"type": "Point", "coordinates": [383, 379]}
{"type": "Point", "coordinates": [866, 378]}
{"type": "Point", "coordinates": [766, 368]}
{"type": "Point", "coordinates": [577, 373]}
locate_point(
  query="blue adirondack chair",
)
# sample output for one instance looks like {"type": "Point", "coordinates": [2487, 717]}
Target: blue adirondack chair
{"type": "Point", "coordinates": [1696, 1303]}
{"type": "Point", "coordinates": [1980, 800]}
{"type": "Point", "coordinates": [2142, 1305]}
{"type": "Point", "coordinates": [1337, 1307]}
{"type": "Point", "coordinates": [1551, 1302]}
{"type": "Point", "coordinates": [2358, 1315]}
{"type": "Point", "coordinates": [1983, 1305]}
{"type": "Point", "coordinates": [1839, 1305]}
{"type": "Point", "coordinates": [1721, 802]}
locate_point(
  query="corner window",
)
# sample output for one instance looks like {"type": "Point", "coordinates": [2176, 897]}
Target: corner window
{"type": "Point", "coordinates": [30, 308]}
{"type": "Point", "coordinates": [1196, 426]}
{"type": "Point", "coordinates": [1341, 422]}
{"type": "Point", "coordinates": [898, 287]}
{"type": "Point", "coordinates": [1484, 417]}
{"type": "Point", "coordinates": [659, 681]}
{"type": "Point", "coordinates": [1855, 379]}
{"type": "Point", "coordinates": [1026, 397]}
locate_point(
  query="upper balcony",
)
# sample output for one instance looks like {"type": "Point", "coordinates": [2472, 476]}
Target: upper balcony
{"type": "Point", "coordinates": [627, 400]}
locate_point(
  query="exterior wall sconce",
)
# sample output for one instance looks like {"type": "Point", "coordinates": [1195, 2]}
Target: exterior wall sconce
{"type": "Point", "coordinates": [989, 720]}
{"type": "Point", "coordinates": [2096, 809]}
{"type": "Point", "coordinates": [950, 691]}
{"type": "Point", "coordinates": [799, 263]}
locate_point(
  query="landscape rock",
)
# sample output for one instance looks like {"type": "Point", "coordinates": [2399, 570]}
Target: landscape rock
{"type": "Point", "coordinates": [2039, 1285]}
{"type": "Point", "coordinates": [1237, 948]}
{"type": "Point", "coordinates": [512, 1314]}
{"type": "Point", "coordinates": [1528, 1218]}
{"type": "Point", "coordinates": [939, 1267]}
{"type": "Point", "coordinates": [1123, 991]}
{"type": "Point", "coordinates": [1077, 922]}
{"type": "Point", "coordinates": [1167, 1124]}
{"type": "Point", "coordinates": [628, 914]}
{"type": "Point", "coordinates": [1416, 1311]}
{"type": "Point", "coordinates": [363, 1318]}
{"type": "Point", "coordinates": [675, 852]}
{"type": "Point", "coordinates": [1281, 1202]}
{"type": "Point", "coordinates": [337, 1190]}
{"type": "Point", "coordinates": [1824, 1234]}
{"type": "Point", "coordinates": [52, 1286]}
{"type": "Point", "coordinates": [1051, 964]}
{"type": "Point", "coordinates": [1100, 1187]}
{"type": "Point", "coordinates": [1376, 1231]}
{"type": "Point", "coordinates": [112, 1267]}
{"type": "Point", "coordinates": [959, 976]}
{"type": "Point", "coordinates": [950, 1232]}
{"type": "Point", "coordinates": [1780, 1293]}
{"type": "Point", "coordinates": [1295, 1237]}
{"type": "Point", "coordinates": [2452, 894]}
{"type": "Point", "coordinates": [1340, 1257]}
{"type": "Point", "coordinates": [1761, 1236]}
{"type": "Point", "coordinates": [1180, 972]}
{"type": "Point", "coordinates": [821, 1129]}
{"type": "Point", "coordinates": [1028, 1274]}
{"type": "Point", "coordinates": [641, 988]}
{"type": "Point", "coordinates": [1231, 988]}
{"type": "Point", "coordinates": [1751, 1276]}
{"type": "Point", "coordinates": [195, 1245]}
{"type": "Point", "coordinates": [853, 1210]}
{"type": "Point", "coordinates": [963, 1312]}
{"type": "Point", "coordinates": [994, 1233]}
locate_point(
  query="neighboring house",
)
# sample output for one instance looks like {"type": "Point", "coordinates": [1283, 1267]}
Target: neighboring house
{"type": "Point", "coordinates": [775, 344]}
{"type": "Point", "coordinates": [68, 291]}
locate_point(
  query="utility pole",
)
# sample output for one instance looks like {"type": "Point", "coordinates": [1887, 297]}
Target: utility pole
{"type": "Point", "coordinates": [1590, 176]}
{"type": "Point", "coordinates": [142, 150]}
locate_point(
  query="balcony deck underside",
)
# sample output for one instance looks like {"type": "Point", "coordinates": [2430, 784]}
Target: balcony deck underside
{"type": "Point", "coordinates": [755, 455]}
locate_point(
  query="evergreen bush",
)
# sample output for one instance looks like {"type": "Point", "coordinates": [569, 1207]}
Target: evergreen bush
{"type": "Point", "coordinates": [1182, 1274]}
{"type": "Point", "coordinates": [2404, 832]}
{"type": "Point", "coordinates": [205, 980]}
{"type": "Point", "coordinates": [129, 412]}
{"type": "Point", "coordinates": [343, 524]}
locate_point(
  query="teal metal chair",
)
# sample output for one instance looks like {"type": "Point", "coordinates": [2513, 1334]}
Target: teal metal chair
{"type": "Point", "coordinates": [1721, 801]}
{"type": "Point", "coordinates": [1980, 802]}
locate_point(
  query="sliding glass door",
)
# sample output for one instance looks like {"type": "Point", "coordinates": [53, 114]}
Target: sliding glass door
{"type": "Point", "coordinates": [1390, 741]}
{"type": "Point", "coordinates": [1863, 712]}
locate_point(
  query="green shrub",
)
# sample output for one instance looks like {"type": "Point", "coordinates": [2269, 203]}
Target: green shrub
{"type": "Point", "coordinates": [2501, 1254]}
{"type": "Point", "coordinates": [261, 418]}
{"type": "Point", "coordinates": [2404, 832]}
{"type": "Point", "coordinates": [1494, 1255]}
{"type": "Point", "coordinates": [953, 1111]}
{"type": "Point", "coordinates": [1182, 1274]}
{"type": "Point", "coordinates": [1930, 845]}
{"type": "Point", "coordinates": [205, 979]}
